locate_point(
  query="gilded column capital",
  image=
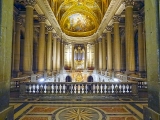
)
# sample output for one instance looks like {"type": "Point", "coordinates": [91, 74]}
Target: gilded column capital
{"type": "Point", "coordinates": [104, 34]}
{"type": "Point", "coordinates": [54, 35]}
{"type": "Point", "coordinates": [58, 39]}
{"type": "Point", "coordinates": [116, 19]}
{"type": "Point", "coordinates": [49, 28]}
{"type": "Point", "coordinates": [129, 3]}
{"type": "Point", "coordinates": [100, 39]}
{"type": "Point", "coordinates": [109, 28]}
{"type": "Point", "coordinates": [19, 19]}
{"type": "Point", "coordinates": [139, 19]}
{"type": "Point", "coordinates": [30, 3]}
{"type": "Point", "coordinates": [41, 18]}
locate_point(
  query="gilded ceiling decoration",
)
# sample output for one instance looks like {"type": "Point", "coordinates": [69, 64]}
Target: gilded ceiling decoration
{"type": "Point", "coordinates": [79, 18]}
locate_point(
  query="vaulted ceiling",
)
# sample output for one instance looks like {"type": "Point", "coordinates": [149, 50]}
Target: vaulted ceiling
{"type": "Point", "coordinates": [79, 18]}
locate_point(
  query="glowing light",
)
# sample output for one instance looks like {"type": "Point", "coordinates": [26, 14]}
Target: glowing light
{"type": "Point", "coordinates": [116, 80]}
{"type": "Point", "coordinates": [41, 80]}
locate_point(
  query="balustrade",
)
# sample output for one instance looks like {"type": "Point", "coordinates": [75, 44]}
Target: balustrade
{"type": "Point", "coordinates": [81, 88]}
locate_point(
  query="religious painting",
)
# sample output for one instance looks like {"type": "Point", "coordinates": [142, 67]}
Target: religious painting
{"type": "Point", "coordinates": [79, 22]}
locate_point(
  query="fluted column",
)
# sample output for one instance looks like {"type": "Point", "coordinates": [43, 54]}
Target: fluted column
{"type": "Point", "coordinates": [72, 56]}
{"type": "Point", "coordinates": [100, 53]}
{"type": "Point", "coordinates": [129, 35]}
{"type": "Point", "coordinates": [54, 53]}
{"type": "Point", "coordinates": [62, 55]}
{"type": "Point", "coordinates": [58, 54]}
{"type": "Point", "coordinates": [140, 44]}
{"type": "Point", "coordinates": [123, 58]}
{"type": "Point", "coordinates": [41, 45]}
{"type": "Point", "coordinates": [85, 62]}
{"type": "Point", "coordinates": [117, 53]}
{"type": "Point", "coordinates": [104, 65]}
{"type": "Point", "coordinates": [28, 42]}
{"type": "Point", "coordinates": [17, 44]}
{"type": "Point", "coordinates": [95, 55]}
{"type": "Point", "coordinates": [49, 50]}
{"type": "Point", "coordinates": [109, 49]}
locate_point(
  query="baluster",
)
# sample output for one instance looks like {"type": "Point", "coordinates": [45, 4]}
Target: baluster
{"type": "Point", "coordinates": [33, 88]}
{"type": "Point", "coordinates": [103, 88]}
{"type": "Point", "coordinates": [112, 88]}
{"type": "Point", "coordinates": [64, 88]}
{"type": "Point", "coordinates": [82, 88]}
{"type": "Point", "coordinates": [30, 88]}
{"type": "Point", "coordinates": [93, 88]}
{"type": "Point", "coordinates": [120, 88]}
{"type": "Point", "coordinates": [61, 88]}
{"type": "Point", "coordinates": [127, 88]}
{"type": "Point", "coordinates": [72, 88]}
{"type": "Point", "coordinates": [52, 88]}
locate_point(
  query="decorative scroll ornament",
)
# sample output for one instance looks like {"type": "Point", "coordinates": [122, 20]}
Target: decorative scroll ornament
{"type": "Point", "coordinates": [30, 3]}
{"type": "Point", "coordinates": [109, 28]}
{"type": "Point", "coordinates": [116, 18]}
{"type": "Point", "coordinates": [128, 3]}
{"type": "Point", "coordinates": [49, 28]}
{"type": "Point", "coordinates": [41, 18]}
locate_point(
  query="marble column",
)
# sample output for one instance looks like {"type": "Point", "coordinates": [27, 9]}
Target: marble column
{"type": "Point", "coordinates": [100, 53]}
{"type": "Point", "coordinates": [54, 52]}
{"type": "Point", "coordinates": [109, 49]}
{"type": "Point", "coordinates": [6, 27]}
{"type": "Point", "coordinates": [117, 53]}
{"type": "Point", "coordinates": [85, 62]}
{"type": "Point", "coordinates": [95, 55]}
{"type": "Point", "coordinates": [17, 44]}
{"type": "Point", "coordinates": [49, 50]}
{"type": "Point", "coordinates": [129, 35]}
{"type": "Point", "coordinates": [152, 22]}
{"type": "Point", "coordinates": [123, 57]}
{"type": "Point", "coordinates": [104, 64]}
{"type": "Point", "coordinates": [41, 45]}
{"type": "Point", "coordinates": [62, 55]}
{"type": "Point", "coordinates": [140, 44]}
{"type": "Point", "coordinates": [28, 42]}
{"type": "Point", "coordinates": [58, 54]}
{"type": "Point", "coordinates": [72, 56]}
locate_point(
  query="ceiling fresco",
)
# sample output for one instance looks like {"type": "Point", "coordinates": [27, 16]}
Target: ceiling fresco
{"type": "Point", "coordinates": [79, 18]}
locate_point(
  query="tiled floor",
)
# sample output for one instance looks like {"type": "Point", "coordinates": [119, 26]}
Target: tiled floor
{"type": "Point", "coordinates": [122, 109]}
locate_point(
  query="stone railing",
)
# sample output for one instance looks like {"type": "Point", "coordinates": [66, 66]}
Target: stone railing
{"type": "Point", "coordinates": [79, 88]}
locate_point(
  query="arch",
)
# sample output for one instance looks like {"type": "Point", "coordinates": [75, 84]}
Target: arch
{"type": "Point", "coordinates": [68, 79]}
{"type": "Point", "coordinates": [90, 79]}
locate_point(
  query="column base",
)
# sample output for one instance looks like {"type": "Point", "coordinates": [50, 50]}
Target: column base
{"type": "Point", "coordinates": [49, 73]}
{"type": "Point", "coordinates": [149, 114]}
{"type": "Point", "coordinates": [7, 114]}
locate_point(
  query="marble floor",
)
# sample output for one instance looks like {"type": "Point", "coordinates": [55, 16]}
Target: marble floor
{"type": "Point", "coordinates": [119, 109]}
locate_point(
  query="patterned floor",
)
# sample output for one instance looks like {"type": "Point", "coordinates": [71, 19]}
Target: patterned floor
{"type": "Point", "coordinates": [122, 109]}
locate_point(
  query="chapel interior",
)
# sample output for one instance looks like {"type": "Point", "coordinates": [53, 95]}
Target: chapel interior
{"type": "Point", "coordinates": [79, 60]}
